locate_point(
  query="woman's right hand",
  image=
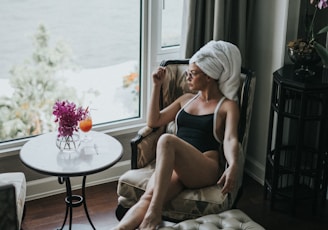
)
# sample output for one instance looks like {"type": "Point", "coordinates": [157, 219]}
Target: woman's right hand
{"type": "Point", "coordinates": [158, 76]}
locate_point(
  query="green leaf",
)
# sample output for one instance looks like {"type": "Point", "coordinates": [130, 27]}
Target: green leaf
{"type": "Point", "coordinates": [322, 51]}
{"type": "Point", "coordinates": [323, 30]}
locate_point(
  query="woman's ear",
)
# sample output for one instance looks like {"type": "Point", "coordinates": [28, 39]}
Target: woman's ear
{"type": "Point", "coordinates": [209, 78]}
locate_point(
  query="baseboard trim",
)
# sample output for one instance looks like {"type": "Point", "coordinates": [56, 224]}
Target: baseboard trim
{"type": "Point", "coordinates": [49, 186]}
{"type": "Point", "coordinates": [255, 169]}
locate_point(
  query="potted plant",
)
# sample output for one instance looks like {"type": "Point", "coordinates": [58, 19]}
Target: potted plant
{"type": "Point", "coordinates": [307, 51]}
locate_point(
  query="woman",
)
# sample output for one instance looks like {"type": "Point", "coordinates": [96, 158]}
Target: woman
{"type": "Point", "coordinates": [205, 122]}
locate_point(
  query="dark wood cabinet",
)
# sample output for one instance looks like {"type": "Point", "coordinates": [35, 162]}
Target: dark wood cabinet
{"type": "Point", "coordinates": [296, 161]}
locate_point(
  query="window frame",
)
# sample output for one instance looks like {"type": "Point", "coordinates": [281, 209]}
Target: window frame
{"type": "Point", "coordinates": [151, 54]}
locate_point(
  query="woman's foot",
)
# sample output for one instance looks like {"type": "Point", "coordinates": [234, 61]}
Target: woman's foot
{"type": "Point", "coordinates": [151, 221]}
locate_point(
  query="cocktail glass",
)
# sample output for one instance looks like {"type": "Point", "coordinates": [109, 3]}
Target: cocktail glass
{"type": "Point", "coordinates": [85, 126]}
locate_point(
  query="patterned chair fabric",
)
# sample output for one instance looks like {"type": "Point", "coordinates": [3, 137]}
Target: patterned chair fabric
{"type": "Point", "coordinates": [190, 203]}
{"type": "Point", "coordinates": [12, 200]}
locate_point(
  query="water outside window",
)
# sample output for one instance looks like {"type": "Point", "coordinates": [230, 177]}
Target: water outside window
{"type": "Point", "coordinates": [84, 51]}
{"type": "Point", "coordinates": [171, 22]}
{"type": "Point", "coordinates": [80, 50]}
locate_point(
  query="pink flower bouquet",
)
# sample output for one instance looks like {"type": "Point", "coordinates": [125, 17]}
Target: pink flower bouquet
{"type": "Point", "coordinates": [68, 117]}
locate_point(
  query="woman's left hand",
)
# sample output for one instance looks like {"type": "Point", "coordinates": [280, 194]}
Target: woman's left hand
{"type": "Point", "coordinates": [228, 179]}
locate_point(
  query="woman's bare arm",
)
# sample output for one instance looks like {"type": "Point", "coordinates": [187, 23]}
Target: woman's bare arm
{"type": "Point", "coordinates": [230, 148]}
{"type": "Point", "coordinates": [157, 117]}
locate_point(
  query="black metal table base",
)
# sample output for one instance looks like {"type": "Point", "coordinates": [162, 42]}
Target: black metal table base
{"type": "Point", "coordinates": [73, 201]}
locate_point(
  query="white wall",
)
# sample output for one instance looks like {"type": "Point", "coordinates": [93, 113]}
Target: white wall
{"type": "Point", "coordinates": [269, 45]}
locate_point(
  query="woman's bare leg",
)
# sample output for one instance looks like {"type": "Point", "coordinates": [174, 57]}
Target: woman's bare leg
{"type": "Point", "coordinates": [175, 154]}
{"type": "Point", "coordinates": [175, 162]}
{"type": "Point", "coordinates": [136, 214]}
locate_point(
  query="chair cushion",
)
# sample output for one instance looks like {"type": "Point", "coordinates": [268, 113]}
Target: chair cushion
{"type": "Point", "coordinates": [232, 219]}
{"type": "Point", "coordinates": [187, 205]}
{"type": "Point", "coordinates": [19, 181]}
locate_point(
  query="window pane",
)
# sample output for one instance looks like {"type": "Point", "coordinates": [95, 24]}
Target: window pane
{"type": "Point", "coordinates": [171, 22]}
{"type": "Point", "coordinates": [85, 51]}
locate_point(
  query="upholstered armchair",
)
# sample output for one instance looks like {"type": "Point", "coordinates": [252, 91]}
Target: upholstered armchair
{"type": "Point", "coordinates": [12, 200]}
{"type": "Point", "coordinates": [190, 203]}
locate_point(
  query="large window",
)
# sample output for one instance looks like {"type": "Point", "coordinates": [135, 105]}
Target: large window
{"type": "Point", "coordinates": [88, 52]}
{"type": "Point", "coordinates": [171, 23]}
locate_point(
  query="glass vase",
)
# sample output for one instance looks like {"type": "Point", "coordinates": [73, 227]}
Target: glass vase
{"type": "Point", "coordinates": [68, 143]}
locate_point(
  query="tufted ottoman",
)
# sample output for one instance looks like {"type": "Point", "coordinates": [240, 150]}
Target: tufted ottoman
{"type": "Point", "coordinates": [233, 219]}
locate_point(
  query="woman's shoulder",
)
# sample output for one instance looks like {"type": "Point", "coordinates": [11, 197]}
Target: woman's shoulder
{"type": "Point", "coordinates": [229, 105]}
{"type": "Point", "coordinates": [189, 95]}
{"type": "Point", "coordinates": [186, 97]}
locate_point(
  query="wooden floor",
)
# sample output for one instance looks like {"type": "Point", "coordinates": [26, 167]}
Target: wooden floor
{"type": "Point", "coordinates": [48, 213]}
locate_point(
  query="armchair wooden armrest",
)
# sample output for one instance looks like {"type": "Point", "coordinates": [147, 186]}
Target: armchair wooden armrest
{"type": "Point", "coordinates": [143, 146]}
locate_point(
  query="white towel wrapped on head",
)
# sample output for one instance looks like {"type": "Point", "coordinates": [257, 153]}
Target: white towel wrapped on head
{"type": "Point", "coordinates": [221, 61]}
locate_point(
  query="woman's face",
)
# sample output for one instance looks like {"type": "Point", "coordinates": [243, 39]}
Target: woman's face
{"type": "Point", "coordinates": [195, 77]}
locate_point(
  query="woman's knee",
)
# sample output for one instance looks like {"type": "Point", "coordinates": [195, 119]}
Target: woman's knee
{"type": "Point", "coordinates": [166, 140]}
{"type": "Point", "coordinates": [166, 145]}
